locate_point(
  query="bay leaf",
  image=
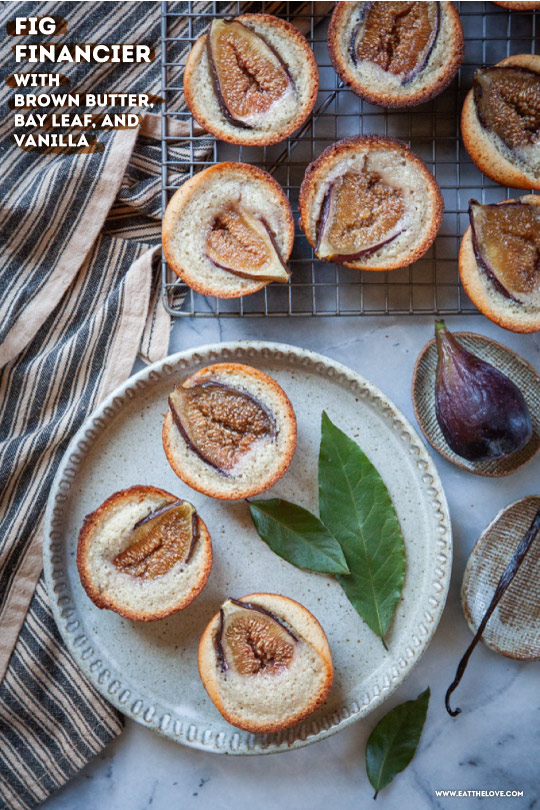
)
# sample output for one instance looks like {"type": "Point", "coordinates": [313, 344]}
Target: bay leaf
{"type": "Point", "coordinates": [357, 509]}
{"type": "Point", "coordinates": [393, 742]}
{"type": "Point", "coordinates": [298, 536]}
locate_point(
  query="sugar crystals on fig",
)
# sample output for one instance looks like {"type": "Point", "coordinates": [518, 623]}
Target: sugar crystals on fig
{"type": "Point", "coordinates": [248, 75]}
{"type": "Point", "coordinates": [243, 244]}
{"type": "Point", "coordinates": [398, 37]}
{"type": "Point", "coordinates": [220, 423]}
{"type": "Point", "coordinates": [251, 640]}
{"type": "Point", "coordinates": [481, 413]}
{"type": "Point", "coordinates": [160, 540]}
{"type": "Point", "coordinates": [507, 101]}
{"type": "Point", "coordinates": [506, 241]}
{"type": "Point", "coordinates": [360, 213]}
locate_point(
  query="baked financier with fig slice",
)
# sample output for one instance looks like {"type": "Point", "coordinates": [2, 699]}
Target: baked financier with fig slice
{"type": "Point", "coordinates": [228, 231]}
{"type": "Point", "coordinates": [499, 262]}
{"type": "Point", "coordinates": [370, 203]}
{"type": "Point", "coordinates": [144, 554]}
{"type": "Point", "coordinates": [396, 54]}
{"type": "Point", "coordinates": [252, 80]}
{"type": "Point", "coordinates": [230, 431]}
{"type": "Point", "coordinates": [500, 121]}
{"type": "Point", "coordinates": [265, 662]}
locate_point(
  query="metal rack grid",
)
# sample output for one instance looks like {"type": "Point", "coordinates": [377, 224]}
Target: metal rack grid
{"type": "Point", "coordinates": [431, 285]}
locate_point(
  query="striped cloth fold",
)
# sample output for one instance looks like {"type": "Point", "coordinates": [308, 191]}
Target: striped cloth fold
{"type": "Point", "coordinates": [80, 298]}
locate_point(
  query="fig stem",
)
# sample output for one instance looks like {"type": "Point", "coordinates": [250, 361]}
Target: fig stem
{"type": "Point", "coordinates": [506, 578]}
{"type": "Point", "coordinates": [441, 333]}
{"type": "Point", "coordinates": [447, 345]}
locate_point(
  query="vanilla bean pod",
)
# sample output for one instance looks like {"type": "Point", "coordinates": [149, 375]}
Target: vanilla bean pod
{"type": "Point", "coordinates": [508, 575]}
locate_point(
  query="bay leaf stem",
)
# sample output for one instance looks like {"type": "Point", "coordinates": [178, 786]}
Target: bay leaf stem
{"type": "Point", "coordinates": [506, 578]}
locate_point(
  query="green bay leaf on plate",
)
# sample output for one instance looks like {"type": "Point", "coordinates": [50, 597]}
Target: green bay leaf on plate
{"type": "Point", "coordinates": [393, 742]}
{"type": "Point", "coordinates": [298, 536]}
{"type": "Point", "coordinates": [357, 509]}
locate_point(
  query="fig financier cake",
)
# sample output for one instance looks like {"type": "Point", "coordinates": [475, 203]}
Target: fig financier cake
{"type": "Point", "coordinates": [252, 80]}
{"type": "Point", "coordinates": [370, 203]}
{"type": "Point", "coordinates": [518, 5]}
{"type": "Point", "coordinates": [230, 431]}
{"type": "Point", "coordinates": [499, 262]}
{"type": "Point", "coordinates": [144, 553]}
{"type": "Point", "coordinates": [265, 662]}
{"type": "Point", "coordinates": [500, 121]}
{"type": "Point", "coordinates": [228, 231]}
{"type": "Point", "coordinates": [396, 54]}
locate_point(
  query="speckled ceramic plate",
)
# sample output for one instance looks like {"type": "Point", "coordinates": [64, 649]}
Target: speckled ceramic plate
{"type": "Point", "coordinates": [515, 367]}
{"type": "Point", "coordinates": [514, 628]}
{"type": "Point", "coordinates": [149, 671]}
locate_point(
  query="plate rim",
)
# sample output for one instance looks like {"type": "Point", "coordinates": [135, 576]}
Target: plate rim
{"type": "Point", "coordinates": [107, 684]}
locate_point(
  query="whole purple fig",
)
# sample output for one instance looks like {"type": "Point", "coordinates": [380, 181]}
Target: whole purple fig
{"type": "Point", "coordinates": [481, 413]}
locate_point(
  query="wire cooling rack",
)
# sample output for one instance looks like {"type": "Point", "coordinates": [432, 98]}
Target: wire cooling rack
{"type": "Point", "coordinates": [430, 285]}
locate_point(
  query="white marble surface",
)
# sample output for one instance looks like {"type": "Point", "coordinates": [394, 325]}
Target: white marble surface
{"type": "Point", "coordinates": [492, 745]}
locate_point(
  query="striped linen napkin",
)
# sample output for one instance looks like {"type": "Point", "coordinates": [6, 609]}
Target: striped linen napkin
{"type": "Point", "coordinates": [80, 298]}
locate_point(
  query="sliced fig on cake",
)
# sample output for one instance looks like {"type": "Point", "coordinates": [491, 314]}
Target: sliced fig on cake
{"type": "Point", "coordinates": [220, 423]}
{"type": "Point", "coordinates": [252, 640]}
{"type": "Point", "coordinates": [265, 662]}
{"type": "Point", "coordinates": [248, 75]}
{"type": "Point", "coordinates": [506, 242]}
{"type": "Point", "coordinates": [398, 37]}
{"type": "Point", "coordinates": [243, 244]}
{"type": "Point", "coordinates": [360, 214]}
{"type": "Point", "coordinates": [162, 539]}
{"type": "Point", "coordinates": [507, 101]}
